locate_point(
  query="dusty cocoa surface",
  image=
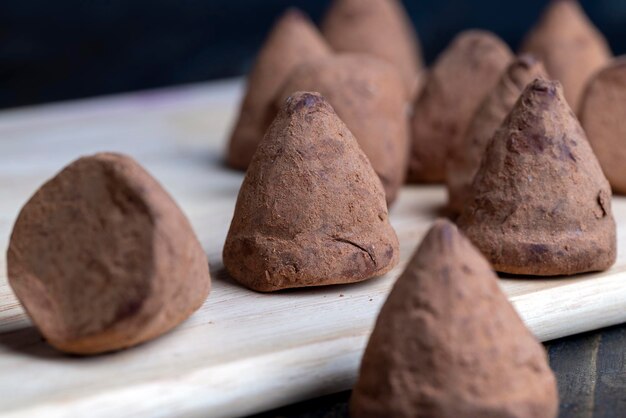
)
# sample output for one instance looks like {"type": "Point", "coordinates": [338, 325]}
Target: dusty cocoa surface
{"type": "Point", "coordinates": [540, 203]}
{"type": "Point", "coordinates": [465, 158]}
{"type": "Point", "coordinates": [447, 343]}
{"type": "Point", "coordinates": [311, 210]}
{"type": "Point", "coordinates": [102, 258]}
{"type": "Point", "coordinates": [570, 46]}
{"type": "Point", "coordinates": [293, 40]}
{"type": "Point", "coordinates": [380, 28]}
{"type": "Point", "coordinates": [603, 116]}
{"type": "Point", "coordinates": [367, 94]}
{"type": "Point", "coordinates": [465, 72]}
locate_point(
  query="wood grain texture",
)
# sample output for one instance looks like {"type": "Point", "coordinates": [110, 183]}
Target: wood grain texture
{"type": "Point", "coordinates": [610, 384]}
{"type": "Point", "coordinates": [242, 352]}
{"type": "Point", "coordinates": [574, 362]}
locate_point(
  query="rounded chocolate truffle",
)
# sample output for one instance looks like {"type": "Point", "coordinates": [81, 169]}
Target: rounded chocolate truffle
{"type": "Point", "coordinates": [376, 27]}
{"type": "Point", "coordinates": [367, 94]}
{"type": "Point", "coordinates": [454, 87]}
{"type": "Point", "coordinates": [293, 40]}
{"type": "Point", "coordinates": [569, 45]}
{"type": "Point", "coordinates": [603, 116]}
{"type": "Point", "coordinates": [464, 159]}
{"type": "Point", "coordinates": [448, 343]}
{"type": "Point", "coordinates": [540, 204]}
{"type": "Point", "coordinates": [102, 258]}
{"type": "Point", "coordinates": [311, 210]}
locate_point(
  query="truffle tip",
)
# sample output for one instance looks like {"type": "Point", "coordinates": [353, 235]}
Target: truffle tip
{"type": "Point", "coordinates": [443, 233]}
{"type": "Point", "coordinates": [304, 100]}
{"type": "Point", "coordinates": [547, 87]}
{"type": "Point", "coordinates": [526, 60]}
{"type": "Point", "coordinates": [443, 226]}
{"type": "Point", "coordinates": [294, 13]}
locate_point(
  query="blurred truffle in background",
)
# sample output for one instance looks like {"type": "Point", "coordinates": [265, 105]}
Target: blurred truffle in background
{"type": "Point", "coordinates": [53, 51]}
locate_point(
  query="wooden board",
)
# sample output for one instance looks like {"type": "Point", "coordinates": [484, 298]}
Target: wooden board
{"type": "Point", "coordinates": [242, 352]}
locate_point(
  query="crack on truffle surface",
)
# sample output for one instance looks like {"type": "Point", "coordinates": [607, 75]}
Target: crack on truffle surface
{"type": "Point", "coordinates": [360, 247]}
{"type": "Point", "coordinates": [603, 201]}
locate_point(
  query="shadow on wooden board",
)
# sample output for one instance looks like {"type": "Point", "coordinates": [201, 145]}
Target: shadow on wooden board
{"type": "Point", "coordinates": [28, 341]}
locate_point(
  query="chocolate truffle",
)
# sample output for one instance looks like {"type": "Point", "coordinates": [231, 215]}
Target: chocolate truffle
{"type": "Point", "coordinates": [311, 210]}
{"type": "Point", "coordinates": [603, 116]}
{"type": "Point", "coordinates": [540, 204]}
{"type": "Point", "coordinates": [460, 79]}
{"type": "Point", "coordinates": [464, 159]}
{"type": "Point", "coordinates": [367, 94]}
{"type": "Point", "coordinates": [293, 40]}
{"type": "Point", "coordinates": [377, 27]}
{"type": "Point", "coordinates": [447, 343]}
{"type": "Point", "coordinates": [571, 48]}
{"type": "Point", "coordinates": [102, 258]}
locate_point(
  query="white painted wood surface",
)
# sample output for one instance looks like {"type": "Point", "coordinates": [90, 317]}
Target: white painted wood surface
{"type": "Point", "coordinates": [242, 352]}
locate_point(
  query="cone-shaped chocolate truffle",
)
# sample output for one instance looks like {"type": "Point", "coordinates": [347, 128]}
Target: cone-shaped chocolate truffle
{"type": "Point", "coordinates": [293, 40]}
{"type": "Point", "coordinates": [311, 210]}
{"type": "Point", "coordinates": [465, 158]}
{"type": "Point", "coordinates": [367, 94]}
{"type": "Point", "coordinates": [571, 48]}
{"type": "Point", "coordinates": [603, 115]}
{"type": "Point", "coordinates": [459, 81]}
{"type": "Point", "coordinates": [102, 258]}
{"type": "Point", "coordinates": [377, 27]}
{"type": "Point", "coordinates": [540, 204]}
{"type": "Point", "coordinates": [447, 343]}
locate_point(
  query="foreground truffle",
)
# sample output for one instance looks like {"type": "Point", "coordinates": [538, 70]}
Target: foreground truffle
{"type": "Point", "coordinates": [603, 116]}
{"type": "Point", "coordinates": [102, 259]}
{"type": "Point", "coordinates": [311, 210]}
{"type": "Point", "coordinates": [540, 204]}
{"type": "Point", "coordinates": [377, 27]}
{"type": "Point", "coordinates": [458, 82]}
{"type": "Point", "coordinates": [367, 94]}
{"type": "Point", "coordinates": [293, 40]}
{"type": "Point", "coordinates": [464, 159]}
{"type": "Point", "coordinates": [447, 343]}
{"type": "Point", "coordinates": [571, 48]}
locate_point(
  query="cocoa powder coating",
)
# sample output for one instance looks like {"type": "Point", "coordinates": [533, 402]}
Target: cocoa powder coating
{"type": "Point", "coordinates": [540, 204]}
{"type": "Point", "coordinates": [311, 210]}
{"type": "Point", "coordinates": [464, 159]}
{"type": "Point", "coordinates": [455, 86]}
{"type": "Point", "coordinates": [447, 343]}
{"type": "Point", "coordinates": [293, 40]}
{"type": "Point", "coordinates": [603, 116]}
{"type": "Point", "coordinates": [102, 258]}
{"type": "Point", "coordinates": [571, 48]}
{"type": "Point", "coordinates": [367, 94]}
{"type": "Point", "coordinates": [377, 27]}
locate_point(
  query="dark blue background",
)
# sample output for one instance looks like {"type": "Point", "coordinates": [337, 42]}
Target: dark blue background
{"type": "Point", "coordinates": [56, 50]}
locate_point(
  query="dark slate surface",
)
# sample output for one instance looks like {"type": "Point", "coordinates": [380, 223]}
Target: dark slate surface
{"type": "Point", "coordinates": [590, 369]}
{"type": "Point", "coordinates": [56, 50]}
